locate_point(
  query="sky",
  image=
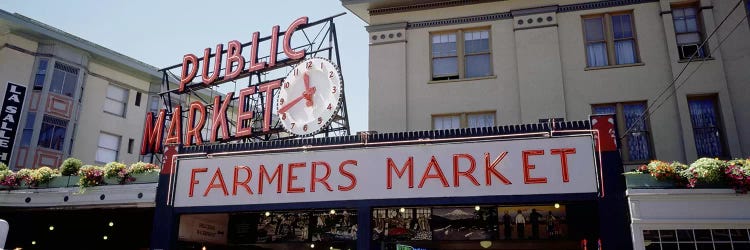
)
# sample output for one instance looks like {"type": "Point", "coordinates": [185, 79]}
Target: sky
{"type": "Point", "coordinates": [161, 32]}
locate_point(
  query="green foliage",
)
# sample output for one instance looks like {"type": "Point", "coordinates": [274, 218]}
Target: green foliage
{"type": "Point", "coordinates": [3, 166]}
{"type": "Point", "coordinates": [90, 176]}
{"type": "Point", "coordinates": [41, 175]}
{"type": "Point", "coordinates": [115, 170]}
{"type": "Point", "coordinates": [70, 166]}
{"type": "Point", "coordinates": [142, 167]}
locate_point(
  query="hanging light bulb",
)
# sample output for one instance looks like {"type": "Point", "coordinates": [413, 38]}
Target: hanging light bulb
{"type": "Point", "coordinates": [557, 205]}
{"type": "Point", "coordinates": [477, 208]}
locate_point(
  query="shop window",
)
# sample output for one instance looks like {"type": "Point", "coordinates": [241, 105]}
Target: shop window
{"type": "Point", "coordinates": [461, 54]}
{"type": "Point", "coordinates": [463, 120]}
{"type": "Point", "coordinates": [28, 129]}
{"type": "Point", "coordinates": [52, 135]}
{"type": "Point", "coordinates": [707, 131]}
{"type": "Point", "coordinates": [108, 148]}
{"type": "Point", "coordinates": [610, 39]}
{"type": "Point", "coordinates": [64, 80]}
{"type": "Point", "coordinates": [688, 32]}
{"type": "Point", "coordinates": [137, 99]}
{"type": "Point", "coordinates": [696, 239]}
{"type": "Point", "coordinates": [41, 73]}
{"type": "Point", "coordinates": [116, 100]}
{"type": "Point", "coordinates": [636, 146]}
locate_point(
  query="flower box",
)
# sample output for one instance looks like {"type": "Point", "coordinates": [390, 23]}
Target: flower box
{"type": "Point", "coordinates": [149, 177]}
{"type": "Point", "coordinates": [58, 182]}
{"type": "Point", "coordinates": [639, 180]}
{"type": "Point", "coordinates": [112, 181]}
{"type": "Point", "coordinates": [73, 180]}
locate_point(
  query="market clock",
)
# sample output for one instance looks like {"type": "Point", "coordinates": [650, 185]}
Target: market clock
{"type": "Point", "coordinates": [310, 97]}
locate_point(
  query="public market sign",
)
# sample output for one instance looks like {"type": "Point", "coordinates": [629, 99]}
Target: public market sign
{"type": "Point", "coordinates": [235, 66]}
{"type": "Point", "coordinates": [10, 114]}
{"type": "Point", "coordinates": [480, 168]}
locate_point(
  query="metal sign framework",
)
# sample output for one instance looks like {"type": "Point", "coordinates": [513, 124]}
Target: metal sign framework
{"type": "Point", "coordinates": [323, 44]}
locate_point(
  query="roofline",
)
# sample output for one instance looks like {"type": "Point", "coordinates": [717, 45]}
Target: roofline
{"type": "Point", "coordinates": [80, 43]}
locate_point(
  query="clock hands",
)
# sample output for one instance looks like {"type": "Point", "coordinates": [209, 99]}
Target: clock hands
{"type": "Point", "coordinates": [307, 95]}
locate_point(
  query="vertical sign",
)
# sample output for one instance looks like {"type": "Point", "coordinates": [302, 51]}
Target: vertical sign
{"type": "Point", "coordinates": [607, 138]}
{"type": "Point", "coordinates": [9, 118]}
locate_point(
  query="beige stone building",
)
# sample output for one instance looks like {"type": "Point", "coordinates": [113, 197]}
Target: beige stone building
{"type": "Point", "coordinates": [454, 64]}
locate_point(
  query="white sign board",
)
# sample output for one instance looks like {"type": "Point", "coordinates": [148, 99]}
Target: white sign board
{"type": "Point", "coordinates": [481, 168]}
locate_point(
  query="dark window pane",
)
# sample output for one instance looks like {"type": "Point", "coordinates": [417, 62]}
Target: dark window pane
{"type": "Point", "coordinates": [445, 66]}
{"type": "Point", "coordinates": [723, 246]}
{"type": "Point", "coordinates": [653, 246]}
{"type": "Point", "coordinates": [669, 246]}
{"type": "Point", "coordinates": [69, 88]}
{"type": "Point", "coordinates": [702, 235]}
{"type": "Point", "coordinates": [667, 235]}
{"type": "Point", "coordinates": [58, 79]}
{"type": "Point", "coordinates": [739, 234]}
{"type": "Point", "coordinates": [58, 138]}
{"type": "Point", "coordinates": [605, 109]}
{"type": "Point", "coordinates": [651, 235]}
{"type": "Point", "coordinates": [478, 65]}
{"type": "Point", "coordinates": [30, 117]}
{"type": "Point", "coordinates": [638, 144]}
{"type": "Point", "coordinates": [687, 246]}
{"type": "Point", "coordinates": [594, 29]}
{"type": "Point", "coordinates": [741, 246]}
{"type": "Point", "coordinates": [45, 135]}
{"type": "Point", "coordinates": [138, 99]}
{"type": "Point", "coordinates": [721, 234]}
{"type": "Point", "coordinates": [705, 246]}
{"type": "Point", "coordinates": [685, 235]}
{"type": "Point", "coordinates": [26, 137]}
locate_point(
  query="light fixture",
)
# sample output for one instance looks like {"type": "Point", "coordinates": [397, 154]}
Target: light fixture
{"type": "Point", "coordinates": [105, 237]}
{"type": "Point", "coordinates": [204, 248]}
{"type": "Point", "coordinates": [485, 243]}
{"type": "Point", "coordinates": [51, 227]}
{"type": "Point", "coordinates": [557, 205]}
{"type": "Point", "coordinates": [402, 209]}
{"type": "Point", "coordinates": [111, 224]}
{"type": "Point", "coordinates": [268, 214]}
{"type": "Point", "coordinates": [477, 208]}
{"type": "Point", "coordinates": [33, 242]}
{"type": "Point", "coordinates": [333, 211]}
{"type": "Point", "coordinates": [313, 245]}
{"type": "Point", "coordinates": [331, 248]}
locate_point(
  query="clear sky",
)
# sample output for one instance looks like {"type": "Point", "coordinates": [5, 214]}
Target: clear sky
{"type": "Point", "coordinates": [156, 32]}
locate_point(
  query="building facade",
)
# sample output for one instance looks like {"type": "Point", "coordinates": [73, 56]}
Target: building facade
{"type": "Point", "coordinates": [451, 64]}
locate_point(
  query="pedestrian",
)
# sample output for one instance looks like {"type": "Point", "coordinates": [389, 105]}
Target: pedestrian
{"type": "Point", "coordinates": [534, 217]}
{"type": "Point", "coordinates": [520, 224]}
{"type": "Point", "coordinates": [507, 225]}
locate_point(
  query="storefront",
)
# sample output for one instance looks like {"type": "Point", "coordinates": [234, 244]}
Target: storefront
{"type": "Point", "coordinates": [495, 188]}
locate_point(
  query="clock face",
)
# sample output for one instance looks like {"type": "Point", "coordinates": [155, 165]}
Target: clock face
{"type": "Point", "coordinates": [309, 97]}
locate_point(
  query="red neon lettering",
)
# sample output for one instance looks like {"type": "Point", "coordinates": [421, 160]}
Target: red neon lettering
{"type": "Point", "coordinates": [323, 180]}
{"type": "Point", "coordinates": [291, 178]}
{"type": "Point", "coordinates": [152, 133]}
{"type": "Point", "coordinates": [291, 54]}
{"type": "Point", "coordinates": [468, 173]}
{"type": "Point", "coordinates": [347, 174]}
{"type": "Point", "coordinates": [217, 64]}
{"type": "Point", "coordinates": [186, 77]}
{"type": "Point", "coordinates": [193, 181]}
{"type": "Point", "coordinates": [254, 65]}
{"type": "Point", "coordinates": [174, 133]}
{"type": "Point", "coordinates": [244, 117]}
{"type": "Point", "coordinates": [243, 184]}
{"type": "Point", "coordinates": [489, 169]}
{"type": "Point", "coordinates": [219, 117]}
{"type": "Point", "coordinates": [409, 164]}
{"type": "Point", "coordinates": [274, 46]}
{"type": "Point", "coordinates": [234, 55]}
{"type": "Point", "coordinates": [212, 185]}
{"type": "Point", "coordinates": [268, 88]}
{"type": "Point", "coordinates": [564, 152]}
{"type": "Point", "coordinates": [527, 167]}
{"type": "Point", "coordinates": [194, 130]}
{"type": "Point", "coordinates": [276, 174]}
{"type": "Point", "coordinates": [433, 164]}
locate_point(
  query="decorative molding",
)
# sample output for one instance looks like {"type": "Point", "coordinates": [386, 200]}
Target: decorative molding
{"type": "Point", "coordinates": [460, 20]}
{"type": "Point", "coordinates": [600, 4]}
{"type": "Point", "coordinates": [424, 6]}
{"type": "Point", "coordinates": [385, 27]}
{"type": "Point", "coordinates": [532, 11]}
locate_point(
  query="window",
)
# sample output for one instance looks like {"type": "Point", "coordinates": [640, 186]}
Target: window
{"type": "Point", "coordinates": [41, 73]}
{"type": "Point", "coordinates": [137, 99]}
{"type": "Point", "coordinates": [109, 146]}
{"type": "Point", "coordinates": [116, 99]}
{"type": "Point", "coordinates": [464, 120]}
{"type": "Point", "coordinates": [461, 54]}
{"type": "Point", "coordinates": [636, 146]}
{"type": "Point", "coordinates": [696, 239]}
{"type": "Point", "coordinates": [610, 39]}
{"type": "Point", "coordinates": [64, 80]}
{"type": "Point", "coordinates": [130, 146]}
{"type": "Point", "coordinates": [28, 129]}
{"type": "Point", "coordinates": [52, 135]}
{"type": "Point", "coordinates": [706, 126]}
{"type": "Point", "coordinates": [688, 32]}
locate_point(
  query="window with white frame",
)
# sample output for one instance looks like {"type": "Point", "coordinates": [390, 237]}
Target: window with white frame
{"type": "Point", "coordinates": [116, 100]}
{"type": "Point", "coordinates": [688, 32]}
{"type": "Point", "coordinates": [718, 239]}
{"type": "Point", "coordinates": [52, 135]}
{"type": "Point", "coordinates": [108, 148]}
{"type": "Point", "coordinates": [41, 73]}
{"type": "Point", "coordinates": [463, 120]}
{"type": "Point", "coordinates": [610, 39]}
{"type": "Point", "coordinates": [28, 129]}
{"type": "Point", "coordinates": [64, 80]}
{"type": "Point", "coordinates": [463, 53]}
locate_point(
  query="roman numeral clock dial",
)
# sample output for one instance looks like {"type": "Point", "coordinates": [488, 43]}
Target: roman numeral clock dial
{"type": "Point", "coordinates": [309, 97]}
